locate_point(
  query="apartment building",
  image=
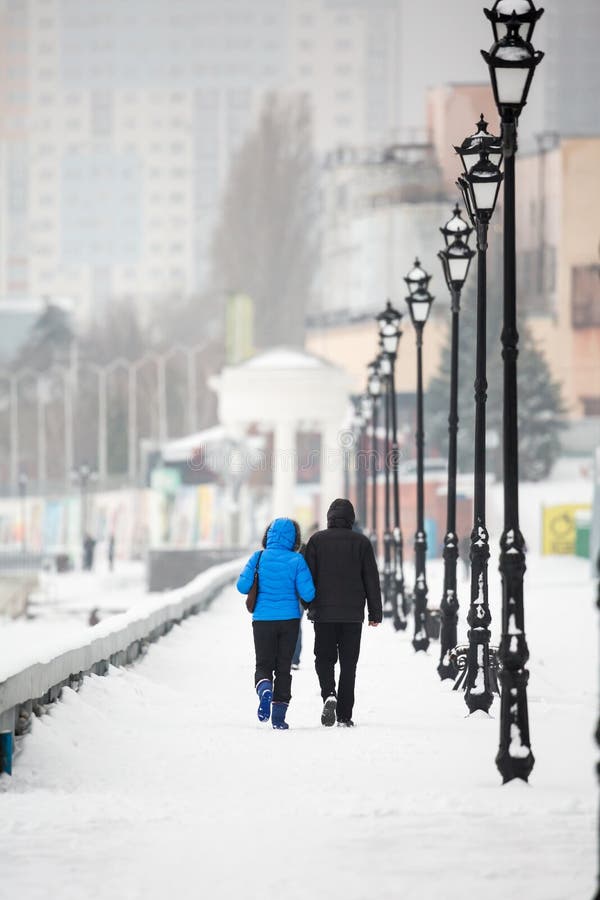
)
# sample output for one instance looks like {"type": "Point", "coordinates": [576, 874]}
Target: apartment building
{"type": "Point", "coordinates": [119, 122]}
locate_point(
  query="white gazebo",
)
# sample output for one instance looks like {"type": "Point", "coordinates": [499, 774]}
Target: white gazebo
{"type": "Point", "coordinates": [285, 391]}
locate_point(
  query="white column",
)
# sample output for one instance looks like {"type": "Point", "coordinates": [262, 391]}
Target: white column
{"type": "Point", "coordinates": [284, 468]}
{"type": "Point", "coordinates": [332, 468]}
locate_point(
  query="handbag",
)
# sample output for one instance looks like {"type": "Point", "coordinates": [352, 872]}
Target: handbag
{"type": "Point", "coordinates": [253, 592]}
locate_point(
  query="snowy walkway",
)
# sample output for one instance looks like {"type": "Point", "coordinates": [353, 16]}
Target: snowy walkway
{"type": "Point", "coordinates": [158, 781]}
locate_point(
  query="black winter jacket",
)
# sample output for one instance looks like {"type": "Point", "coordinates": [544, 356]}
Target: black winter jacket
{"type": "Point", "coordinates": [344, 570]}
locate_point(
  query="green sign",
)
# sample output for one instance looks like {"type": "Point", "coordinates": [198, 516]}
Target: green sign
{"type": "Point", "coordinates": [167, 480]}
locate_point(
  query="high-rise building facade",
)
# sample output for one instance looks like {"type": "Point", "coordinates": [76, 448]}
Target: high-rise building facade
{"type": "Point", "coordinates": [564, 98]}
{"type": "Point", "coordinates": [120, 120]}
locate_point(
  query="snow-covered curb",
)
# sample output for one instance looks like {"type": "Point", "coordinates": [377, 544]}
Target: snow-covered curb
{"type": "Point", "coordinates": [117, 641]}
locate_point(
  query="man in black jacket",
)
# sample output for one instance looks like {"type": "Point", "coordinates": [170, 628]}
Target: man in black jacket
{"type": "Point", "coordinates": [344, 570]}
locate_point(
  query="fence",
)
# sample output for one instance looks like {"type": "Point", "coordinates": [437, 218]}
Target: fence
{"type": "Point", "coordinates": [116, 641]}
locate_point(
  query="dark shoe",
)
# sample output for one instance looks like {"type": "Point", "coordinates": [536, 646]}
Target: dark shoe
{"type": "Point", "coordinates": [278, 716]}
{"type": "Point", "coordinates": [328, 714]}
{"type": "Point", "coordinates": [264, 689]}
{"type": "Point", "coordinates": [346, 723]}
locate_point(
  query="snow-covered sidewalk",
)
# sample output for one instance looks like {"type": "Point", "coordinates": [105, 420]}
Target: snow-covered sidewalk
{"type": "Point", "coordinates": [158, 780]}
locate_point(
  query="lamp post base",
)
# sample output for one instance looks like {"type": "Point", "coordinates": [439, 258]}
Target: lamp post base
{"type": "Point", "coordinates": [399, 624]}
{"type": "Point", "coordinates": [420, 642]}
{"type": "Point", "coordinates": [400, 603]}
{"type": "Point", "coordinates": [400, 621]}
{"type": "Point", "coordinates": [447, 668]}
{"type": "Point", "coordinates": [421, 639]}
{"type": "Point", "coordinates": [514, 758]}
{"type": "Point", "coordinates": [478, 693]}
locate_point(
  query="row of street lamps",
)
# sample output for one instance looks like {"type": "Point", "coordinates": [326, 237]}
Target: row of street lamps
{"type": "Point", "coordinates": [381, 388]}
{"type": "Point", "coordinates": [512, 61]}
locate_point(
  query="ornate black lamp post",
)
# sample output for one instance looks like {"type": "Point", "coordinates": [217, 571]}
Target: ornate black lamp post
{"type": "Point", "coordinates": [389, 592]}
{"type": "Point", "coordinates": [481, 141]}
{"type": "Point", "coordinates": [419, 303]}
{"type": "Point", "coordinates": [374, 390]}
{"type": "Point", "coordinates": [479, 186]}
{"type": "Point", "coordinates": [390, 333]}
{"type": "Point", "coordinates": [512, 61]}
{"type": "Point", "coordinates": [456, 259]}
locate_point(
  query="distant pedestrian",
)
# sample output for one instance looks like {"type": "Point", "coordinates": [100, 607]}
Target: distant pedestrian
{"type": "Point", "coordinates": [111, 552]}
{"type": "Point", "coordinates": [345, 573]}
{"type": "Point", "coordinates": [94, 617]}
{"type": "Point", "coordinates": [283, 581]}
{"type": "Point", "coordinates": [89, 546]}
{"type": "Point", "coordinates": [298, 651]}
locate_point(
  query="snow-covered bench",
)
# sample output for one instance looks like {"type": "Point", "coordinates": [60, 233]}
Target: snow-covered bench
{"type": "Point", "coordinates": [116, 641]}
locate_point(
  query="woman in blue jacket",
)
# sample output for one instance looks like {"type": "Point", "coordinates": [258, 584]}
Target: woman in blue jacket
{"type": "Point", "coordinates": [283, 580]}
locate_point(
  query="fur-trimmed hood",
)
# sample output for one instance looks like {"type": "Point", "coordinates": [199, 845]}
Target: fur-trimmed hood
{"type": "Point", "coordinates": [284, 533]}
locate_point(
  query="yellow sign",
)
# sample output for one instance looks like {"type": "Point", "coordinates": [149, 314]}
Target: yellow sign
{"type": "Point", "coordinates": [559, 529]}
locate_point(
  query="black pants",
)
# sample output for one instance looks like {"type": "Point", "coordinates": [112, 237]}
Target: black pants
{"type": "Point", "coordinates": [333, 639]}
{"type": "Point", "coordinates": [274, 644]}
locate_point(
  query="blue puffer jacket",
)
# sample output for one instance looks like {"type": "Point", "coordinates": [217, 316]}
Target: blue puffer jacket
{"type": "Point", "coordinates": [283, 576]}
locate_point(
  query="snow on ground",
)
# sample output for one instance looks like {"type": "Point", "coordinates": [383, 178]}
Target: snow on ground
{"type": "Point", "coordinates": [158, 780]}
{"type": "Point", "coordinates": [58, 613]}
{"type": "Point", "coordinates": [78, 592]}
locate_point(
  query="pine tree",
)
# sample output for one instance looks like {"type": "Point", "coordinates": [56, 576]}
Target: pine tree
{"type": "Point", "coordinates": [540, 411]}
{"type": "Point", "coordinates": [540, 404]}
{"type": "Point", "coordinates": [49, 341]}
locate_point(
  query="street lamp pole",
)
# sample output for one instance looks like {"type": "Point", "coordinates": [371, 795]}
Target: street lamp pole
{"type": "Point", "coordinates": [456, 259]}
{"type": "Point", "coordinates": [419, 303]}
{"type": "Point", "coordinates": [512, 61]}
{"type": "Point", "coordinates": [389, 593]}
{"type": "Point", "coordinates": [22, 494]}
{"type": "Point", "coordinates": [374, 390]}
{"type": "Point", "coordinates": [390, 333]}
{"type": "Point", "coordinates": [479, 185]}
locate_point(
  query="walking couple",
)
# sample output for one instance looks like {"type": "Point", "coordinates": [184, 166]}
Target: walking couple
{"type": "Point", "coordinates": [332, 578]}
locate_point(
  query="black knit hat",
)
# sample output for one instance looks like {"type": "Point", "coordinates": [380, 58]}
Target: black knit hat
{"type": "Point", "coordinates": [341, 512]}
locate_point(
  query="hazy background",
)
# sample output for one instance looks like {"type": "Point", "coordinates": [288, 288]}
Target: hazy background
{"type": "Point", "coordinates": [187, 183]}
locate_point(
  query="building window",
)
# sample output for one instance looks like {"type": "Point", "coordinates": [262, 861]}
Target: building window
{"type": "Point", "coordinates": [585, 296]}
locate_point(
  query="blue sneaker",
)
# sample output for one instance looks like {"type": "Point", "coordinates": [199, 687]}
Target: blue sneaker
{"type": "Point", "coordinates": [278, 717]}
{"type": "Point", "coordinates": [264, 689]}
